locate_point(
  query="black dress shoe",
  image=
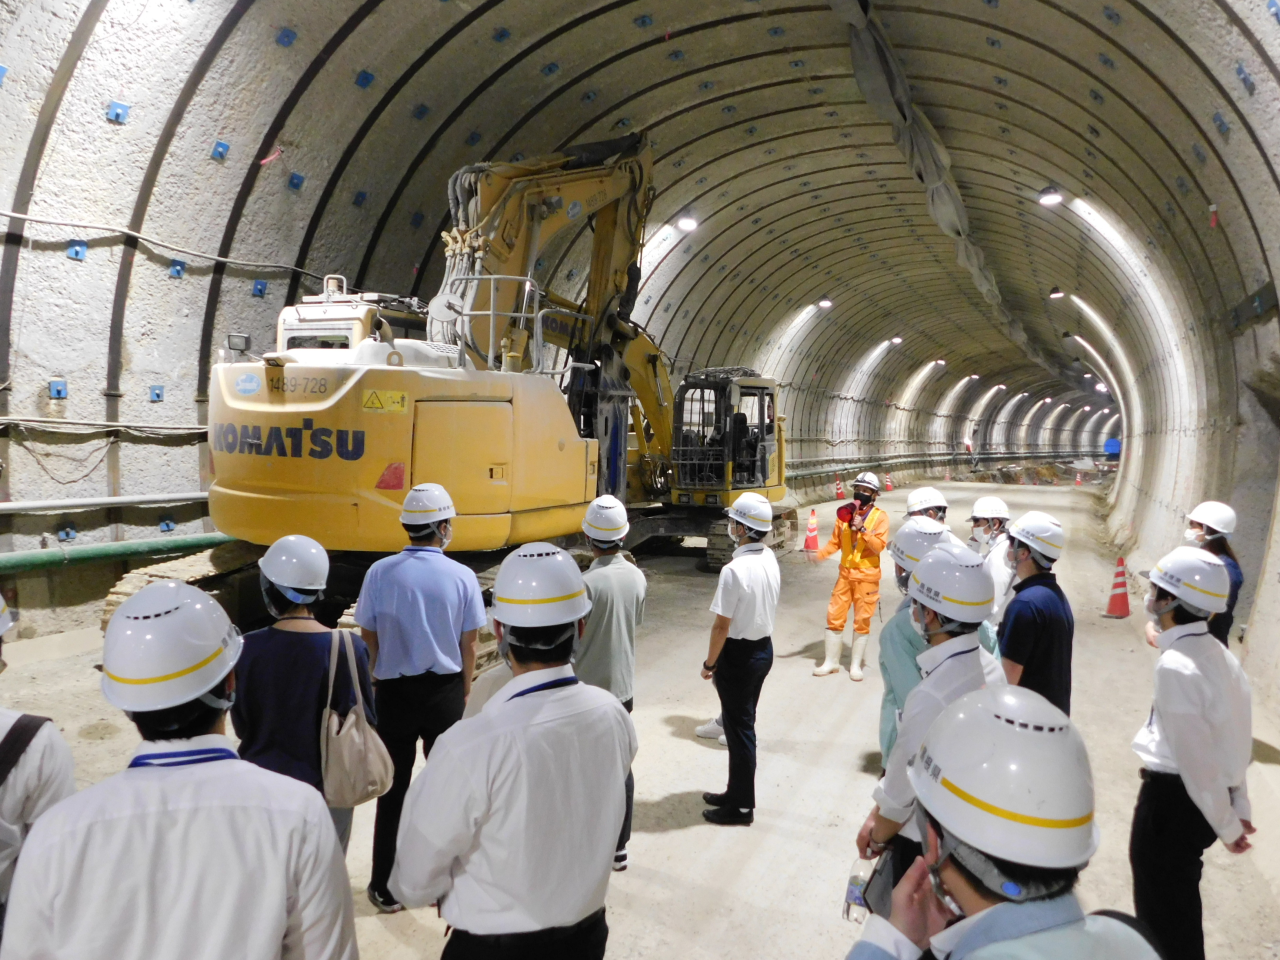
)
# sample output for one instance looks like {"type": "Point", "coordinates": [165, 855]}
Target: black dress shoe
{"type": "Point", "coordinates": [729, 817]}
{"type": "Point", "coordinates": [715, 799]}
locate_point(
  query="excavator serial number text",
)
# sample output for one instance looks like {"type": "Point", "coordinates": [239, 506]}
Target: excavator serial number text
{"type": "Point", "coordinates": [282, 384]}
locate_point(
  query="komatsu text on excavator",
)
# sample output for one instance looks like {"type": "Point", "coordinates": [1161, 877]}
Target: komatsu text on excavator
{"type": "Point", "coordinates": [523, 403]}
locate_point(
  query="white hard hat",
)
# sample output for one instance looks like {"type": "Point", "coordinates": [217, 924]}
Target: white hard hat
{"type": "Point", "coordinates": [989, 508]}
{"type": "Point", "coordinates": [1041, 532]}
{"type": "Point", "coordinates": [606, 519]}
{"type": "Point", "coordinates": [952, 581]}
{"type": "Point", "coordinates": [1213, 513]}
{"type": "Point", "coordinates": [924, 499]}
{"type": "Point", "coordinates": [427, 503]}
{"type": "Point", "coordinates": [752, 510]}
{"type": "Point", "coordinates": [1196, 577]}
{"type": "Point", "coordinates": [1006, 772]}
{"type": "Point", "coordinates": [867, 479]}
{"type": "Point", "coordinates": [166, 645]}
{"type": "Point", "coordinates": [539, 585]}
{"type": "Point", "coordinates": [914, 539]}
{"type": "Point", "coordinates": [298, 566]}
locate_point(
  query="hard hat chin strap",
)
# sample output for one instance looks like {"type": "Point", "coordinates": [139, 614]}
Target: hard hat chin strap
{"type": "Point", "coordinates": [988, 874]}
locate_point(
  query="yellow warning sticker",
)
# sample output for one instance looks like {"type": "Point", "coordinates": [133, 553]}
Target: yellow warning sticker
{"type": "Point", "coordinates": [385, 401]}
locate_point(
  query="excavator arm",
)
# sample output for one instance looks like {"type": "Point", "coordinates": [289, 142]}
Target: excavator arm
{"type": "Point", "coordinates": [505, 216]}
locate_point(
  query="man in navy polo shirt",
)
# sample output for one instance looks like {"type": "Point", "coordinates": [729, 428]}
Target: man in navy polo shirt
{"type": "Point", "coordinates": [1037, 630]}
{"type": "Point", "coordinates": [419, 613]}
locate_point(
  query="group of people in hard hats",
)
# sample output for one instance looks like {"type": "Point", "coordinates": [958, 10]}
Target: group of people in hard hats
{"type": "Point", "coordinates": [984, 816]}
{"type": "Point", "coordinates": [981, 823]}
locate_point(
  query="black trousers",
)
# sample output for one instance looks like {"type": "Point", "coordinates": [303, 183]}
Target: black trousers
{"type": "Point", "coordinates": [409, 709]}
{"type": "Point", "coordinates": [740, 672]}
{"type": "Point", "coordinates": [625, 836]}
{"type": "Point", "coordinates": [585, 940]}
{"type": "Point", "coordinates": [1166, 848]}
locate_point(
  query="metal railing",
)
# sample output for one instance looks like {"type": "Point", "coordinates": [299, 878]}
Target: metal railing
{"type": "Point", "coordinates": [833, 465]}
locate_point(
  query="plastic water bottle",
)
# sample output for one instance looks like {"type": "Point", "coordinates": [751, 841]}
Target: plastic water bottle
{"type": "Point", "coordinates": [855, 903]}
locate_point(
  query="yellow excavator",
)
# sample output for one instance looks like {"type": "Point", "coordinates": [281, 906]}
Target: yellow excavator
{"type": "Point", "coordinates": [524, 404]}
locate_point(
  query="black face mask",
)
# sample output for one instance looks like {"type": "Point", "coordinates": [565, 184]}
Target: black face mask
{"type": "Point", "coordinates": [861, 499]}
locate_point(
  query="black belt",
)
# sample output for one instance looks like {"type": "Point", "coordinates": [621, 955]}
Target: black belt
{"type": "Point", "coordinates": [760, 642]}
{"type": "Point", "coordinates": [1159, 776]}
{"type": "Point", "coordinates": [547, 936]}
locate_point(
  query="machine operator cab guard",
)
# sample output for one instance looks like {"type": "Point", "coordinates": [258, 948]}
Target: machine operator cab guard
{"type": "Point", "coordinates": [729, 436]}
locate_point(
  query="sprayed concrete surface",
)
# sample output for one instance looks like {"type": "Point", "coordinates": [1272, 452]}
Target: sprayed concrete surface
{"type": "Point", "coordinates": [701, 892]}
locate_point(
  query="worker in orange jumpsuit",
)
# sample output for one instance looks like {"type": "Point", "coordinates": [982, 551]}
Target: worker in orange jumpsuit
{"type": "Point", "coordinates": [861, 532]}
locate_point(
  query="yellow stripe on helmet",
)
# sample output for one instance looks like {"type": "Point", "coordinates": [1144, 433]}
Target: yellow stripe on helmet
{"type": "Point", "coordinates": [567, 596]}
{"type": "Point", "coordinates": [1004, 814]}
{"type": "Point", "coordinates": [168, 676]}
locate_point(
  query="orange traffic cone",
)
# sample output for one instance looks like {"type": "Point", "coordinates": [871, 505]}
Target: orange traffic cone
{"type": "Point", "coordinates": [1078, 481]}
{"type": "Point", "coordinates": [947, 476]}
{"type": "Point", "coordinates": [888, 483]}
{"type": "Point", "coordinates": [839, 488]}
{"type": "Point", "coordinates": [1022, 478]}
{"type": "Point", "coordinates": [1118, 605]}
{"type": "Point", "coordinates": [811, 534]}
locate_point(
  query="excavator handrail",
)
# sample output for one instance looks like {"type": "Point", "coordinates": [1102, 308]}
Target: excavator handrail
{"type": "Point", "coordinates": [492, 313]}
{"type": "Point", "coordinates": [538, 342]}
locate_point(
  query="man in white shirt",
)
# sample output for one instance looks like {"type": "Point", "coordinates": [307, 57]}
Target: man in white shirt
{"type": "Point", "coordinates": [40, 773]}
{"type": "Point", "coordinates": [36, 771]}
{"type": "Point", "coordinates": [989, 538]}
{"type": "Point", "coordinates": [191, 852]}
{"type": "Point", "coordinates": [740, 652]}
{"type": "Point", "coordinates": [512, 825]}
{"type": "Point", "coordinates": [1195, 748]}
{"type": "Point", "coordinates": [605, 657]}
{"type": "Point", "coordinates": [1007, 771]}
{"type": "Point", "coordinates": [950, 593]}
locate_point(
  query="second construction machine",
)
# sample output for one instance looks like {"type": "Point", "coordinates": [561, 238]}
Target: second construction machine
{"type": "Point", "coordinates": [523, 403]}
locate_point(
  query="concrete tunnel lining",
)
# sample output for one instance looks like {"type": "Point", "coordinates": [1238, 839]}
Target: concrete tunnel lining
{"type": "Point", "coordinates": [1124, 117]}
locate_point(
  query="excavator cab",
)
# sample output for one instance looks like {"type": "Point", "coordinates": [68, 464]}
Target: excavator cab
{"type": "Point", "coordinates": [728, 437]}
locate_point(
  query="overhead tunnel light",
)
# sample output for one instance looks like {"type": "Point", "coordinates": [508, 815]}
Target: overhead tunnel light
{"type": "Point", "coordinates": [1001, 386]}
{"type": "Point", "coordinates": [973, 376]}
{"type": "Point", "coordinates": [1050, 196]}
{"type": "Point", "coordinates": [896, 340]}
{"type": "Point", "coordinates": [687, 223]}
{"type": "Point", "coordinates": [824, 303]}
{"type": "Point", "coordinates": [1057, 294]}
{"type": "Point", "coordinates": [941, 363]}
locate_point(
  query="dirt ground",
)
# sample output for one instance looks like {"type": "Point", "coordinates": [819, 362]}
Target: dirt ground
{"type": "Point", "coordinates": [701, 892]}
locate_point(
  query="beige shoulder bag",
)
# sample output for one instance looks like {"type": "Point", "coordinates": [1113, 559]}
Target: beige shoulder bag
{"type": "Point", "coordinates": [354, 761]}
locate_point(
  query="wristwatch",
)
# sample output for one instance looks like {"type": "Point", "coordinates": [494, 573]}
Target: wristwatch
{"type": "Point", "coordinates": [709, 667]}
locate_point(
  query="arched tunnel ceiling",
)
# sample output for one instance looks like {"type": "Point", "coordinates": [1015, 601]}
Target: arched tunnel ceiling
{"type": "Point", "coordinates": [344, 120]}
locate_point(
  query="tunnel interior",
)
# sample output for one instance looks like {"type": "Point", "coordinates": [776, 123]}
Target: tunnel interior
{"type": "Point", "coordinates": [868, 186]}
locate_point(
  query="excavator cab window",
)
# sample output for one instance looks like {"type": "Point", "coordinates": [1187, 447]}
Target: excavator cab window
{"type": "Point", "coordinates": [752, 427]}
{"type": "Point", "coordinates": [323, 341]}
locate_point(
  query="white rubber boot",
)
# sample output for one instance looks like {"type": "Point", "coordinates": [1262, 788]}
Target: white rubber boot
{"type": "Point", "coordinates": [831, 660]}
{"type": "Point", "coordinates": [859, 648]}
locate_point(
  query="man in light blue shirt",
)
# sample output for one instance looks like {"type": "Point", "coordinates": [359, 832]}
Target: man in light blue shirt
{"type": "Point", "coordinates": [419, 613]}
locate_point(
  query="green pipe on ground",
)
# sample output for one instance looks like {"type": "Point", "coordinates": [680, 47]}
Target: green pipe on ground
{"type": "Point", "coordinates": [23, 561]}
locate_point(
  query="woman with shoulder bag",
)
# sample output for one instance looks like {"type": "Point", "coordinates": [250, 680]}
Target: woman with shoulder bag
{"type": "Point", "coordinates": [285, 693]}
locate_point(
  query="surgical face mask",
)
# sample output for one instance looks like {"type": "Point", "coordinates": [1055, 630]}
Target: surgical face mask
{"type": "Point", "coordinates": [935, 872]}
{"type": "Point", "coordinates": [1155, 611]}
{"type": "Point", "coordinates": [980, 534]}
{"type": "Point", "coordinates": [440, 532]}
{"type": "Point", "coordinates": [1192, 535]}
{"type": "Point", "coordinates": [735, 532]}
{"type": "Point", "coordinates": [918, 625]}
